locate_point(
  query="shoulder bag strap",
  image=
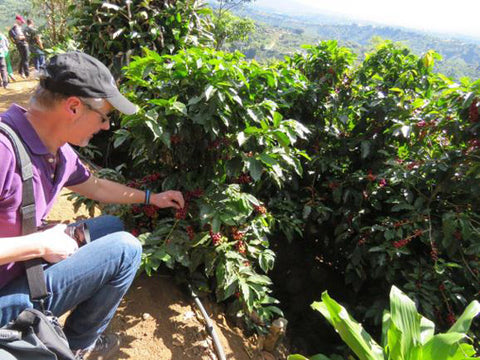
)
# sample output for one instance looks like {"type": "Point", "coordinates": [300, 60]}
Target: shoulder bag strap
{"type": "Point", "coordinates": [33, 267]}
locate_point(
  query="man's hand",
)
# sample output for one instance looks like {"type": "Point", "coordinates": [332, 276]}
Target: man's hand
{"type": "Point", "coordinates": [170, 198]}
{"type": "Point", "coordinates": [57, 245]}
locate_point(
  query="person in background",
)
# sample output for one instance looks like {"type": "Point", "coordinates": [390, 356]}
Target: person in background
{"type": "Point", "coordinates": [35, 45]}
{"type": "Point", "coordinates": [17, 36]}
{"type": "Point", "coordinates": [9, 67]}
{"type": "Point", "coordinates": [3, 62]}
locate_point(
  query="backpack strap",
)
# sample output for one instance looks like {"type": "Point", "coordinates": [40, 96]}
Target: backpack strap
{"type": "Point", "coordinates": [33, 267]}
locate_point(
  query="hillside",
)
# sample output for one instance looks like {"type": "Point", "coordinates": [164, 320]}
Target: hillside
{"type": "Point", "coordinates": [279, 34]}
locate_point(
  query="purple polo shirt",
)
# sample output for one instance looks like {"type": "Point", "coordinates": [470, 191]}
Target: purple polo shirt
{"type": "Point", "coordinates": [50, 174]}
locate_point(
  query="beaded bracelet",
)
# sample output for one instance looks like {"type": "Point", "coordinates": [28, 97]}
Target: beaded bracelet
{"type": "Point", "coordinates": [147, 197]}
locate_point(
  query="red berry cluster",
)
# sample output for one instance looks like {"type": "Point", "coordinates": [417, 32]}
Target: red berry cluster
{"type": "Point", "coordinates": [216, 238]}
{"type": "Point", "coordinates": [370, 176]}
{"type": "Point", "coordinates": [401, 243]}
{"type": "Point", "coordinates": [175, 139]}
{"type": "Point", "coordinates": [382, 183]}
{"type": "Point", "coordinates": [217, 143]}
{"type": "Point", "coordinates": [473, 111]}
{"type": "Point", "coordinates": [136, 209]}
{"type": "Point", "coordinates": [434, 252]}
{"type": "Point", "coordinates": [457, 235]}
{"type": "Point", "coordinates": [362, 241]}
{"type": "Point", "coordinates": [451, 318]}
{"type": "Point", "coordinates": [181, 213]}
{"type": "Point", "coordinates": [243, 179]}
{"type": "Point", "coordinates": [150, 210]}
{"type": "Point", "coordinates": [135, 232]}
{"type": "Point", "coordinates": [241, 247]}
{"type": "Point", "coordinates": [190, 232]}
{"type": "Point", "coordinates": [260, 209]}
{"type": "Point", "coordinates": [194, 194]}
{"type": "Point", "coordinates": [147, 179]}
{"type": "Point", "coordinates": [473, 145]}
{"type": "Point", "coordinates": [412, 165]}
{"type": "Point", "coordinates": [421, 124]}
{"type": "Point", "coordinates": [333, 185]}
{"type": "Point", "coordinates": [237, 235]}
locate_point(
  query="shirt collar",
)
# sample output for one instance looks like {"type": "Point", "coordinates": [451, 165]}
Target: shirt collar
{"type": "Point", "coordinates": [15, 117]}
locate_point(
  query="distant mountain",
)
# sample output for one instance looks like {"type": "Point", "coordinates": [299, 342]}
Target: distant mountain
{"type": "Point", "coordinates": [298, 8]}
{"type": "Point", "coordinates": [282, 34]}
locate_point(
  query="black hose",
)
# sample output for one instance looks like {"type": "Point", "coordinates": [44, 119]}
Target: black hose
{"type": "Point", "coordinates": [208, 325]}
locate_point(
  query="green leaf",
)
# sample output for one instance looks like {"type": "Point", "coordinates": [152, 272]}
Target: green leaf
{"type": "Point", "coordinates": [179, 107]}
{"type": "Point", "coordinates": [427, 329]}
{"type": "Point", "coordinates": [208, 92]}
{"type": "Point", "coordinates": [406, 318]}
{"type": "Point", "coordinates": [365, 149]}
{"type": "Point", "coordinates": [241, 138]}
{"type": "Point", "coordinates": [296, 357]}
{"type": "Point", "coordinates": [462, 325]}
{"type": "Point", "coordinates": [255, 168]}
{"type": "Point", "coordinates": [267, 159]}
{"type": "Point", "coordinates": [352, 333]}
{"type": "Point", "coordinates": [259, 279]}
{"type": "Point", "coordinates": [444, 347]}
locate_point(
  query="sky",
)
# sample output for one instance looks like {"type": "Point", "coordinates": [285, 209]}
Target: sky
{"type": "Point", "coordinates": [448, 16]}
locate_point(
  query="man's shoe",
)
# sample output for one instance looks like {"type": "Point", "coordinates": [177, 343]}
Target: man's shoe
{"type": "Point", "coordinates": [105, 347]}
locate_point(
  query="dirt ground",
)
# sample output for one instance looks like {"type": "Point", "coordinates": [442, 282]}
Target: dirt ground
{"type": "Point", "coordinates": [157, 320]}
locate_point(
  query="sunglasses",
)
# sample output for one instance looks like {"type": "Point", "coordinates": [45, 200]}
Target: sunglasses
{"type": "Point", "coordinates": [105, 117]}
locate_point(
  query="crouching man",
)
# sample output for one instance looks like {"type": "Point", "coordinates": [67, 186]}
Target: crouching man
{"type": "Point", "coordinates": [71, 104]}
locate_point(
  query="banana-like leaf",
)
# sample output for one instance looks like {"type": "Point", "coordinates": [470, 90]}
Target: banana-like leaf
{"type": "Point", "coordinates": [351, 332]}
{"type": "Point", "coordinates": [394, 347]}
{"type": "Point", "coordinates": [386, 322]}
{"type": "Point", "coordinates": [427, 330]}
{"type": "Point", "coordinates": [462, 325]}
{"type": "Point", "coordinates": [301, 357]}
{"type": "Point", "coordinates": [447, 347]}
{"type": "Point", "coordinates": [296, 357]}
{"type": "Point", "coordinates": [407, 321]}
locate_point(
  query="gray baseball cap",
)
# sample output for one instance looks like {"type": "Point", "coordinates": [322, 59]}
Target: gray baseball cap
{"type": "Point", "coordinates": [78, 74]}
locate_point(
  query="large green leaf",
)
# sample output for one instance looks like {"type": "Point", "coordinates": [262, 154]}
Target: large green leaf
{"type": "Point", "coordinates": [349, 330]}
{"type": "Point", "coordinates": [301, 357]}
{"type": "Point", "coordinates": [427, 330]}
{"type": "Point", "coordinates": [446, 347]}
{"type": "Point", "coordinates": [407, 321]}
{"type": "Point", "coordinates": [462, 325]}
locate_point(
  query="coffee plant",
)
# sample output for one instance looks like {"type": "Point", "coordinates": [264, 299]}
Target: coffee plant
{"type": "Point", "coordinates": [115, 30]}
{"type": "Point", "coordinates": [388, 192]}
{"type": "Point", "coordinates": [208, 126]}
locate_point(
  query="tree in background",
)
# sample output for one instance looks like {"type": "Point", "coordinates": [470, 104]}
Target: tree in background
{"type": "Point", "coordinates": [56, 14]}
{"type": "Point", "coordinates": [230, 28]}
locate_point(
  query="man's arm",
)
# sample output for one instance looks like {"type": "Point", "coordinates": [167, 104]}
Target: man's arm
{"type": "Point", "coordinates": [107, 191]}
{"type": "Point", "coordinates": [53, 245]}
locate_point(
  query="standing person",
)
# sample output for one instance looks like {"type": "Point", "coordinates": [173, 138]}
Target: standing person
{"type": "Point", "coordinates": [9, 67]}
{"type": "Point", "coordinates": [35, 45]}
{"type": "Point", "coordinates": [17, 36]}
{"type": "Point", "coordinates": [70, 105]}
{"type": "Point", "coordinates": [3, 62]}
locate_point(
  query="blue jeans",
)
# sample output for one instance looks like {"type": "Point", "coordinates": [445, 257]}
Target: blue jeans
{"type": "Point", "coordinates": [38, 57]}
{"type": "Point", "coordinates": [92, 282]}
